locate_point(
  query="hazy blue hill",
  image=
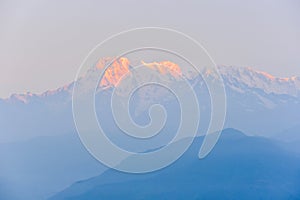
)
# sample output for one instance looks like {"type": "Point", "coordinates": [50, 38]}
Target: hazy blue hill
{"type": "Point", "coordinates": [39, 168]}
{"type": "Point", "coordinates": [240, 167]}
{"type": "Point", "coordinates": [290, 138]}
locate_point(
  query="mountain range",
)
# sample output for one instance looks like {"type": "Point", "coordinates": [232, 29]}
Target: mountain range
{"type": "Point", "coordinates": [267, 104]}
{"type": "Point", "coordinates": [41, 154]}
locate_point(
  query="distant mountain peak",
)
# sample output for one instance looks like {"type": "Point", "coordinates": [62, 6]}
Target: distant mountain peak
{"type": "Point", "coordinates": [114, 72]}
{"type": "Point", "coordinates": [165, 67]}
{"type": "Point", "coordinates": [121, 66]}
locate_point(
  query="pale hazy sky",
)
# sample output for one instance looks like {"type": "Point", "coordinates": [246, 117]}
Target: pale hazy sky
{"type": "Point", "coordinates": [43, 42]}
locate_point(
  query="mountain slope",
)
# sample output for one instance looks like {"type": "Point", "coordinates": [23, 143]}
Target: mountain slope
{"type": "Point", "coordinates": [239, 167]}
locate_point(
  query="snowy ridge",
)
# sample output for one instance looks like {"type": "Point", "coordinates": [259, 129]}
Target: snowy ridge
{"type": "Point", "coordinates": [239, 79]}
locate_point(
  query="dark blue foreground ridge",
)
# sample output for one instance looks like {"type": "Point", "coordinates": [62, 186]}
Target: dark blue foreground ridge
{"type": "Point", "coordinates": [239, 167]}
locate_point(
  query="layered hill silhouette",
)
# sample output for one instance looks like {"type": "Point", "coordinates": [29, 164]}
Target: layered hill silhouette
{"type": "Point", "coordinates": [240, 167]}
